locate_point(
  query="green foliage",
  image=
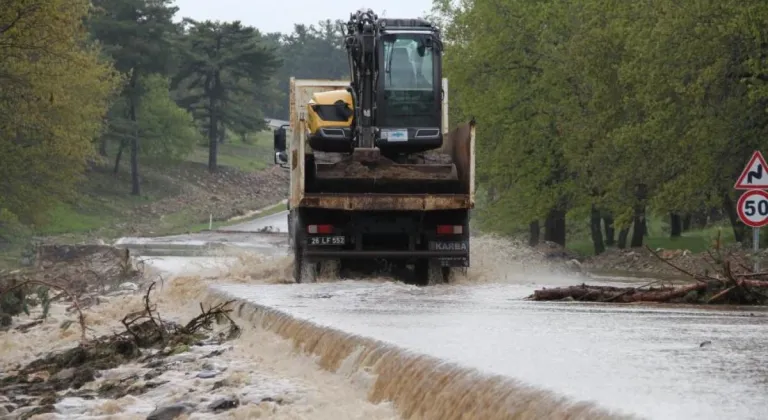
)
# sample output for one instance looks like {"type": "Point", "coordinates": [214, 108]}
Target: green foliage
{"type": "Point", "coordinates": [138, 35]}
{"type": "Point", "coordinates": [55, 90]}
{"type": "Point", "coordinates": [167, 131]}
{"type": "Point", "coordinates": [309, 52]}
{"type": "Point", "coordinates": [629, 106]}
{"type": "Point", "coordinates": [224, 67]}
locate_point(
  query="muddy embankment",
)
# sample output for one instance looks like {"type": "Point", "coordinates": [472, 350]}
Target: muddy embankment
{"type": "Point", "coordinates": [142, 344]}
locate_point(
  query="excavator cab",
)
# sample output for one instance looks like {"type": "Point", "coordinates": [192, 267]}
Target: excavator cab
{"type": "Point", "coordinates": [409, 90]}
{"type": "Point", "coordinates": [394, 102]}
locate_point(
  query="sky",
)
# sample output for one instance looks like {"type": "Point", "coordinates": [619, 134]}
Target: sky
{"type": "Point", "coordinates": [280, 15]}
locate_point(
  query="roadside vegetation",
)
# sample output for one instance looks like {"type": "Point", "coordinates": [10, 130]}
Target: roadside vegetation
{"type": "Point", "coordinates": [599, 119]}
{"type": "Point", "coordinates": [600, 124]}
{"type": "Point", "coordinates": [121, 117]}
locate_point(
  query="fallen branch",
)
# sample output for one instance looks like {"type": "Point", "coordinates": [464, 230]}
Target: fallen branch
{"type": "Point", "coordinates": [70, 295]}
{"type": "Point", "coordinates": [665, 261]}
{"type": "Point", "coordinates": [725, 286]}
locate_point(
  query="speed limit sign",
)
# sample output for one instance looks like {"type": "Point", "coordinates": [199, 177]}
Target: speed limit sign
{"type": "Point", "coordinates": [753, 208]}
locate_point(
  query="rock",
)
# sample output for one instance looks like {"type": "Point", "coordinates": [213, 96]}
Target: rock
{"type": "Point", "coordinates": [207, 374]}
{"type": "Point", "coordinates": [574, 265]}
{"type": "Point", "coordinates": [705, 343]}
{"type": "Point", "coordinates": [3, 411]}
{"type": "Point", "coordinates": [278, 400]}
{"type": "Point", "coordinates": [226, 403]}
{"type": "Point", "coordinates": [129, 286]}
{"type": "Point", "coordinates": [64, 375]}
{"type": "Point", "coordinates": [214, 353]}
{"type": "Point", "coordinates": [169, 412]}
{"type": "Point", "coordinates": [152, 374]}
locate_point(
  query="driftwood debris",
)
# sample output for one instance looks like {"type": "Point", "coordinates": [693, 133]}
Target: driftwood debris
{"type": "Point", "coordinates": [731, 282]}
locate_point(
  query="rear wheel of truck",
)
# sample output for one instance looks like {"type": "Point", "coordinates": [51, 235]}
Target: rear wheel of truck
{"type": "Point", "coordinates": [330, 269]}
{"type": "Point", "coordinates": [430, 272]}
{"type": "Point", "coordinates": [303, 270]}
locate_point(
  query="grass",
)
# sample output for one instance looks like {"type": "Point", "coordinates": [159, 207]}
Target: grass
{"type": "Point", "coordinates": [695, 240]}
{"type": "Point", "coordinates": [235, 154]}
{"type": "Point", "coordinates": [104, 206]}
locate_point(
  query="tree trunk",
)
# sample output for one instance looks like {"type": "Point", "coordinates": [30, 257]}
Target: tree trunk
{"type": "Point", "coordinates": [554, 227]}
{"type": "Point", "coordinates": [222, 134]}
{"type": "Point", "coordinates": [597, 233]}
{"type": "Point", "coordinates": [118, 156]}
{"type": "Point", "coordinates": [638, 228]}
{"type": "Point", "coordinates": [700, 219]}
{"type": "Point", "coordinates": [730, 209]}
{"type": "Point", "coordinates": [639, 225]}
{"type": "Point", "coordinates": [103, 146]}
{"type": "Point", "coordinates": [623, 234]}
{"type": "Point", "coordinates": [687, 222]}
{"type": "Point", "coordinates": [135, 185]}
{"type": "Point", "coordinates": [213, 127]}
{"type": "Point", "coordinates": [535, 231]}
{"type": "Point", "coordinates": [675, 225]}
{"type": "Point", "coordinates": [609, 230]}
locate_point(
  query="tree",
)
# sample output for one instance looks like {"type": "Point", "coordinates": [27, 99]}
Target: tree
{"type": "Point", "coordinates": [138, 36]}
{"type": "Point", "coordinates": [608, 109]}
{"type": "Point", "coordinates": [311, 52]}
{"type": "Point", "coordinates": [222, 67]}
{"type": "Point", "coordinates": [167, 131]}
{"type": "Point", "coordinates": [55, 93]}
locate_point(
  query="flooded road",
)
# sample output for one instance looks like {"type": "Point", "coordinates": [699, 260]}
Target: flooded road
{"type": "Point", "coordinates": [277, 222]}
{"type": "Point", "coordinates": [658, 362]}
{"type": "Point", "coordinates": [639, 360]}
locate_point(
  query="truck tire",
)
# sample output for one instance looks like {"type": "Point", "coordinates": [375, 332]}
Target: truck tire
{"type": "Point", "coordinates": [330, 269]}
{"type": "Point", "coordinates": [303, 270]}
{"type": "Point", "coordinates": [290, 229]}
{"type": "Point", "coordinates": [429, 272]}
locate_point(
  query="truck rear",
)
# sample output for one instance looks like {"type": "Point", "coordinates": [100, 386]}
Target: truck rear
{"type": "Point", "coordinates": [410, 218]}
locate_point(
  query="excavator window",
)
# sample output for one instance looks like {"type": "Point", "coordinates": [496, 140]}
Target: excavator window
{"type": "Point", "coordinates": [406, 67]}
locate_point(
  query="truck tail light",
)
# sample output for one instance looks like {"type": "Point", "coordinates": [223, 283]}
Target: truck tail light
{"type": "Point", "coordinates": [321, 229]}
{"type": "Point", "coordinates": [450, 229]}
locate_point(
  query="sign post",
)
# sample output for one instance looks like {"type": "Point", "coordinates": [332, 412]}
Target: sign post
{"type": "Point", "coordinates": [752, 207]}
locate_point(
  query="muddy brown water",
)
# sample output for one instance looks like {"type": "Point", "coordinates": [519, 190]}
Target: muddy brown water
{"type": "Point", "coordinates": [478, 349]}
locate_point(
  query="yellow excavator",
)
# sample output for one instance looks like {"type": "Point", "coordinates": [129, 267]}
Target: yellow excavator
{"type": "Point", "coordinates": [375, 174]}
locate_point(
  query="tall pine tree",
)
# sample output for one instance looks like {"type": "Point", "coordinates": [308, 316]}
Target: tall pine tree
{"type": "Point", "coordinates": [138, 36]}
{"type": "Point", "coordinates": [223, 64]}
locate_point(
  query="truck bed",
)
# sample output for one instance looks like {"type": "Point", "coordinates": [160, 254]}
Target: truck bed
{"type": "Point", "coordinates": [385, 202]}
{"type": "Point", "coordinates": [431, 167]}
{"type": "Point", "coordinates": [444, 181]}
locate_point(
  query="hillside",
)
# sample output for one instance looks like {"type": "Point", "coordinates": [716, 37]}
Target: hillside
{"type": "Point", "coordinates": [176, 196]}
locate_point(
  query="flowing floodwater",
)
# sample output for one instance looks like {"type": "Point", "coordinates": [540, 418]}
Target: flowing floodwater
{"type": "Point", "coordinates": [644, 361]}
{"type": "Point", "coordinates": [478, 349]}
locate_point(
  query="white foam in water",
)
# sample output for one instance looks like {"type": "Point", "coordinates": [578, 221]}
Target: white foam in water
{"type": "Point", "coordinates": [316, 372]}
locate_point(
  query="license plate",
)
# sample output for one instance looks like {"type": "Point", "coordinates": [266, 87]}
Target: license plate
{"type": "Point", "coordinates": [395, 135]}
{"type": "Point", "coordinates": [326, 240]}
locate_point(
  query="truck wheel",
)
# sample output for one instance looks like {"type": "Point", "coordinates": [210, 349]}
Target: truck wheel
{"type": "Point", "coordinates": [303, 270]}
{"type": "Point", "coordinates": [330, 269]}
{"type": "Point", "coordinates": [430, 272]}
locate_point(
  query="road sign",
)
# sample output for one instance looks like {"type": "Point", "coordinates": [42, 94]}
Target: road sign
{"type": "Point", "coordinates": [753, 208]}
{"type": "Point", "coordinates": [755, 174]}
